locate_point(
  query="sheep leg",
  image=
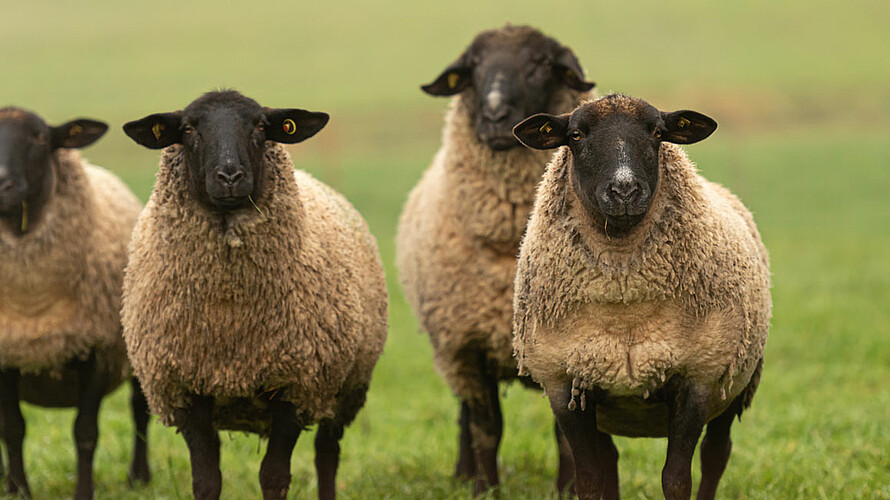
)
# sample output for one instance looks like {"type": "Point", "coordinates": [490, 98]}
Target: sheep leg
{"type": "Point", "coordinates": [715, 449]}
{"type": "Point", "coordinates": [608, 458]}
{"type": "Point", "coordinates": [13, 432]}
{"type": "Point", "coordinates": [203, 444]}
{"type": "Point", "coordinates": [565, 475]}
{"type": "Point", "coordinates": [86, 425]}
{"type": "Point", "coordinates": [283, 434]}
{"type": "Point", "coordinates": [579, 428]}
{"type": "Point", "coordinates": [465, 470]}
{"type": "Point", "coordinates": [686, 419]}
{"type": "Point", "coordinates": [327, 457]}
{"type": "Point", "coordinates": [486, 426]}
{"type": "Point", "coordinates": [139, 470]}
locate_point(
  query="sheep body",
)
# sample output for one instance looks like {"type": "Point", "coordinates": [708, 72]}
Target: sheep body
{"type": "Point", "coordinates": [287, 300]}
{"type": "Point", "coordinates": [687, 294]}
{"type": "Point", "coordinates": [60, 296]}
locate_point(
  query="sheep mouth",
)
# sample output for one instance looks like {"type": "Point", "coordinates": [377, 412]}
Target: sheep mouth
{"type": "Point", "coordinates": [230, 202]}
{"type": "Point", "coordinates": [500, 143]}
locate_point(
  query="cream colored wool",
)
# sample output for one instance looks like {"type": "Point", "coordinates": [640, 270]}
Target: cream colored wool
{"type": "Point", "coordinates": [60, 292]}
{"type": "Point", "coordinates": [458, 238]}
{"type": "Point", "coordinates": [687, 292]}
{"type": "Point", "coordinates": [285, 299]}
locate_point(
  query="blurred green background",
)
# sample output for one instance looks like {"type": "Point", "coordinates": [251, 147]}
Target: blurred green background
{"type": "Point", "coordinates": [801, 90]}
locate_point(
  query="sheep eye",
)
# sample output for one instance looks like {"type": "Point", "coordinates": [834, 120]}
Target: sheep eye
{"type": "Point", "coordinates": [260, 126]}
{"type": "Point", "coordinates": [187, 129]}
{"type": "Point", "coordinates": [656, 133]}
{"type": "Point", "coordinates": [576, 135]}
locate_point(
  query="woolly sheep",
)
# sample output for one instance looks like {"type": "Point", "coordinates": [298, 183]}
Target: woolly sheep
{"type": "Point", "coordinates": [642, 294]}
{"type": "Point", "coordinates": [460, 229]}
{"type": "Point", "coordinates": [254, 299]}
{"type": "Point", "coordinates": [64, 228]}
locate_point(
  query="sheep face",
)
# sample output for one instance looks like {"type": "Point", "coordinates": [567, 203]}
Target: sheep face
{"type": "Point", "coordinates": [27, 144]}
{"type": "Point", "coordinates": [223, 137]}
{"type": "Point", "coordinates": [614, 144]}
{"type": "Point", "coordinates": [514, 72]}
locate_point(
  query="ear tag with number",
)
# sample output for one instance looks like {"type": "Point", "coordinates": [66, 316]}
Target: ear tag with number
{"type": "Point", "coordinates": [156, 129]}
{"type": "Point", "coordinates": [682, 122]}
{"type": "Point", "coordinates": [452, 80]}
{"type": "Point", "coordinates": [289, 127]}
{"type": "Point", "coordinates": [545, 128]}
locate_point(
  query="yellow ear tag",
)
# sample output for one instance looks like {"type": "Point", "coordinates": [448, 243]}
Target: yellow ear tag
{"type": "Point", "coordinates": [570, 73]}
{"type": "Point", "coordinates": [156, 130]}
{"type": "Point", "coordinates": [545, 128]}
{"type": "Point", "coordinates": [452, 80]}
{"type": "Point", "coordinates": [682, 122]}
{"type": "Point", "coordinates": [74, 130]}
{"type": "Point", "coordinates": [290, 128]}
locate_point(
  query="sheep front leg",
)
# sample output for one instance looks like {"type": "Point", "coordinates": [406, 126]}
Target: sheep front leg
{"type": "Point", "coordinates": [139, 470]}
{"type": "Point", "coordinates": [93, 384]}
{"type": "Point", "coordinates": [327, 457]}
{"type": "Point", "coordinates": [203, 444]}
{"type": "Point", "coordinates": [275, 469]}
{"type": "Point", "coordinates": [688, 406]}
{"type": "Point", "coordinates": [579, 426]}
{"type": "Point", "coordinates": [565, 474]}
{"type": "Point", "coordinates": [486, 427]}
{"type": "Point", "coordinates": [465, 470]}
{"type": "Point", "coordinates": [13, 432]}
{"type": "Point", "coordinates": [715, 450]}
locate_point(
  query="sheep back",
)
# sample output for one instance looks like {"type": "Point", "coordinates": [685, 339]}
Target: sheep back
{"type": "Point", "coordinates": [60, 296]}
{"type": "Point", "coordinates": [287, 300]}
{"type": "Point", "coordinates": [687, 293]}
{"type": "Point", "coordinates": [457, 242]}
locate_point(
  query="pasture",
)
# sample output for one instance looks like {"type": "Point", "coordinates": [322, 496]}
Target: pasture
{"type": "Point", "coordinates": [802, 95]}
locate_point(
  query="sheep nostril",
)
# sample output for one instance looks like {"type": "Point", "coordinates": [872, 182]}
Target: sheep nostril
{"type": "Point", "coordinates": [625, 192]}
{"type": "Point", "coordinates": [229, 179]}
{"type": "Point", "coordinates": [5, 185]}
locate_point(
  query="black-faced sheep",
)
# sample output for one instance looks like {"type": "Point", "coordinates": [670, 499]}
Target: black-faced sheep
{"type": "Point", "coordinates": [64, 229]}
{"type": "Point", "coordinates": [642, 294]}
{"type": "Point", "coordinates": [254, 299]}
{"type": "Point", "coordinates": [460, 229]}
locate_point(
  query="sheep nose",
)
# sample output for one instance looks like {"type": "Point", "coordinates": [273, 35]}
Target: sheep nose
{"type": "Point", "coordinates": [5, 181]}
{"type": "Point", "coordinates": [495, 114]}
{"type": "Point", "coordinates": [230, 180]}
{"type": "Point", "coordinates": [624, 192]}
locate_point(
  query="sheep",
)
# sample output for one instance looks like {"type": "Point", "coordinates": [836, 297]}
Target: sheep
{"type": "Point", "coordinates": [642, 299]}
{"type": "Point", "coordinates": [64, 229]}
{"type": "Point", "coordinates": [460, 229]}
{"type": "Point", "coordinates": [254, 299]}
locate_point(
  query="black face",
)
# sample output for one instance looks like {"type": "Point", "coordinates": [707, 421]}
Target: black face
{"type": "Point", "coordinates": [615, 144]}
{"type": "Point", "coordinates": [223, 136]}
{"type": "Point", "coordinates": [27, 144]}
{"type": "Point", "coordinates": [514, 71]}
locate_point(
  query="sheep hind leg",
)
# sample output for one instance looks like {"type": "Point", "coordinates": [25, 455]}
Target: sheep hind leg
{"type": "Point", "coordinates": [486, 428]}
{"type": "Point", "coordinates": [465, 470]}
{"type": "Point", "coordinates": [275, 470]}
{"type": "Point", "coordinates": [565, 475]}
{"type": "Point", "coordinates": [139, 470]}
{"type": "Point", "coordinates": [715, 450]}
{"type": "Point", "coordinates": [608, 454]}
{"type": "Point", "coordinates": [196, 425]}
{"type": "Point", "coordinates": [13, 432]}
{"type": "Point", "coordinates": [579, 428]}
{"type": "Point", "coordinates": [686, 419]}
{"type": "Point", "coordinates": [93, 385]}
{"type": "Point", "coordinates": [327, 457]}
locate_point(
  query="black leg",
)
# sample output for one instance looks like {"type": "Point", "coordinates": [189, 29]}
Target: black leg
{"type": "Point", "coordinates": [327, 457]}
{"type": "Point", "coordinates": [203, 444]}
{"type": "Point", "coordinates": [715, 450]}
{"type": "Point", "coordinates": [466, 459]}
{"type": "Point", "coordinates": [686, 419]}
{"type": "Point", "coordinates": [608, 454]}
{"type": "Point", "coordinates": [565, 475]}
{"type": "Point", "coordinates": [92, 388]}
{"type": "Point", "coordinates": [275, 469]}
{"type": "Point", "coordinates": [139, 470]}
{"type": "Point", "coordinates": [486, 426]}
{"type": "Point", "coordinates": [579, 427]}
{"type": "Point", "coordinates": [13, 432]}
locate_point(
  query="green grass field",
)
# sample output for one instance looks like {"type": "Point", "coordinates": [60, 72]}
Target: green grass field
{"type": "Point", "coordinates": [802, 93]}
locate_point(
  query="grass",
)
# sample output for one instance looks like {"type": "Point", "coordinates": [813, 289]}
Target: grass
{"type": "Point", "coordinates": [801, 95]}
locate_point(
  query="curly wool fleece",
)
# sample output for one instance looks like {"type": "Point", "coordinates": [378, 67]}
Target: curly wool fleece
{"type": "Point", "coordinates": [60, 295]}
{"type": "Point", "coordinates": [284, 299]}
{"type": "Point", "coordinates": [687, 292]}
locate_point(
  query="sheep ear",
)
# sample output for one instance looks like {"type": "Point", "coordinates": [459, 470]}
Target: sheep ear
{"type": "Point", "coordinates": [568, 70]}
{"type": "Point", "coordinates": [687, 127]}
{"type": "Point", "coordinates": [290, 126]}
{"type": "Point", "coordinates": [77, 133]}
{"type": "Point", "coordinates": [156, 131]}
{"type": "Point", "coordinates": [455, 78]}
{"type": "Point", "coordinates": [543, 131]}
